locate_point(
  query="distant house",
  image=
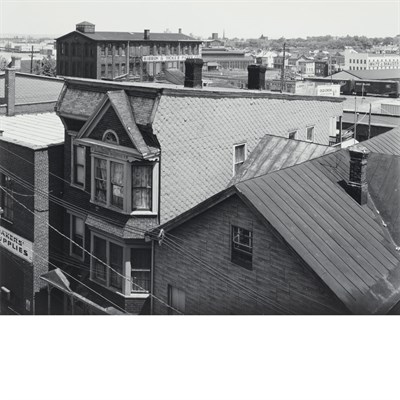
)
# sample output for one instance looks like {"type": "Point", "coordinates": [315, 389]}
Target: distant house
{"type": "Point", "coordinates": [317, 237]}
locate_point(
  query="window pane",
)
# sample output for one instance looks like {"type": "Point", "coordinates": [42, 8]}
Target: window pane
{"type": "Point", "coordinates": [78, 227]}
{"type": "Point", "coordinates": [177, 299]}
{"type": "Point", "coordinates": [141, 187]}
{"type": "Point", "coordinates": [100, 252]}
{"type": "Point", "coordinates": [116, 260]}
{"type": "Point", "coordinates": [117, 184]}
{"type": "Point", "coordinates": [242, 246]}
{"type": "Point", "coordinates": [310, 133]}
{"type": "Point", "coordinates": [140, 269]}
{"type": "Point", "coordinates": [100, 167]}
{"type": "Point", "coordinates": [239, 153]}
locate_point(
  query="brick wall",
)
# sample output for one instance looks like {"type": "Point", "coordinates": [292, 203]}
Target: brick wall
{"type": "Point", "coordinates": [278, 273]}
{"type": "Point", "coordinates": [197, 135]}
{"type": "Point", "coordinates": [21, 277]}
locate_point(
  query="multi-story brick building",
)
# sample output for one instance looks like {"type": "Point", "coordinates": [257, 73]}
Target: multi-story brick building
{"type": "Point", "coordinates": [355, 61]}
{"type": "Point", "coordinates": [89, 54]}
{"type": "Point", "coordinates": [314, 237]}
{"type": "Point", "coordinates": [31, 155]}
{"type": "Point", "coordinates": [137, 155]}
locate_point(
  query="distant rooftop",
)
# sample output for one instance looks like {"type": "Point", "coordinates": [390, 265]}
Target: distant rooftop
{"type": "Point", "coordinates": [35, 131]}
{"type": "Point", "coordinates": [33, 88]}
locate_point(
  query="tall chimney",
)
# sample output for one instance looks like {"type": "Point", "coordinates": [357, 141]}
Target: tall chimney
{"type": "Point", "coordinates": [256, 76]}
{"type": "Point", "coordinates": [193, 72]}
{"type": "Point", "coordinates": [180, 30]}
{"type": "Point", "coordinates": [358, 186]}
{"type": "Point", "coordinates": [10, 90]}
{"type": "Point", "coordinates": [146, 34]}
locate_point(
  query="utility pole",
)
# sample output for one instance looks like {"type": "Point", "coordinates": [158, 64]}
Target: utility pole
{"type": "Point", "coordinates": [369, 122]}
{"type": "Point", "coordinates": [355, 118]}
{"type": "Point", "coordinates": [32, 60]}
{"type": "Point", "coordinates": [283, 67]}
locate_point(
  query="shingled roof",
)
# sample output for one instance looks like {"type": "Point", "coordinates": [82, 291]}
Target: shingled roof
{"type": "Point", "coordinates": [385, 143]}
{"type": "Point", "coordinates": [345, 244]}
{"type": "Point", "coordinates": [275, 152]}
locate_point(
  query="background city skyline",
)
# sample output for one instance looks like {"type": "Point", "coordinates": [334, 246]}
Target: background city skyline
{"type": "Point", "coordinates": [241, 19]}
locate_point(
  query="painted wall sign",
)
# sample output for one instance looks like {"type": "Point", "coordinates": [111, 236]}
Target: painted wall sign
{"type": "Point", "coordinates": [169, 58]}
{"type": "Point", "coordinates": [16, 244]}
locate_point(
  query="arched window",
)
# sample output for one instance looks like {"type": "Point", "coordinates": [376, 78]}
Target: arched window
{"type": "Point", "coordinates": [110, 137]}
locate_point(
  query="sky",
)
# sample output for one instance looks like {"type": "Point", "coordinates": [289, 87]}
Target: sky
{"type": "Point", "coordinates": [242, 19]}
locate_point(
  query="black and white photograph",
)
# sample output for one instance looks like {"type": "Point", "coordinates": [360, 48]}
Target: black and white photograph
{"type": "Point", "coordinates": [199, 200]}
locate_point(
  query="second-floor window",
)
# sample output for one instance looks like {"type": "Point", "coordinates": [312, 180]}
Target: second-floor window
{"type": "Point", "coordinates": [242, 247]}
{"type": "Point", "coordinates": [109, 182]}
{"type": "Point", "coordinates": [6, 200]}
{"type": "Point", "coordinates": [78, 165]}
{"type": "Point", "coordinates": [124, 186]}
{"type": "Point", "coordinates": [142, 187]}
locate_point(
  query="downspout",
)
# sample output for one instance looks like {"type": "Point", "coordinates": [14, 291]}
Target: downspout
{"type": "Point", "coordinates": [152, 277]}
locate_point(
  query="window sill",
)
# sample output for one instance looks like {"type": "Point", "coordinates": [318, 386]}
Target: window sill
{"type": "Point", "coordinates": [149, 213]}
{"type": "Point", "coordinates": [74, 185]}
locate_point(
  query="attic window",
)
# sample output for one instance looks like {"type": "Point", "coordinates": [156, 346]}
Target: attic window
{"type": "Point", "coordinates": [110, 137]}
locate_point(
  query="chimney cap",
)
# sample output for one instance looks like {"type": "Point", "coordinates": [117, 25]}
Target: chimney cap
{"type": "Point", "coordinates": [358, 151]}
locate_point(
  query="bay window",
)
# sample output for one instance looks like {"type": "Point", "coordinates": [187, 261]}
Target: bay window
{"type": "Point", "coordinates": [107, 263]}
{"type": "Point", "coordinates": [130, 187]}
{"type": "Point", "coordinates": [119, 267]}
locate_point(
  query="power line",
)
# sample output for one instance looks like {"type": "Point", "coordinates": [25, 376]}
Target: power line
{"type": "Point", "coordinates": [219, 274]}
{"type": "Point", "coordinates": [90, 254]}
{"type": "Point", "coordinates": [265, 278]}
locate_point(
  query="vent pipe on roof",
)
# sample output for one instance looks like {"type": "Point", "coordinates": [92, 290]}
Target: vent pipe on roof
{"type": "Point", "coordinates": [193, 73]}
{"type": "Point", "coordinates": [358, 186]}
{"type": "Point", "coordinates": [146, 34]}
{"type": "Point", "coordinates": [10, 90]}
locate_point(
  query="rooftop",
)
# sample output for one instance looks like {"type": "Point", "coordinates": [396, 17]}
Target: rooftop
{"type": "Point", "coordinates": [274, 152]}
{"type": "Point", "coordinates": [352, 248]}
{"type": "Point", "coordinates": [136, 37]}
{"type": "Point", "coordinates": [33, 88]}
{"type": "Point", "coordinates": [385, 143]}
{"type": "Point", "coordinates": [35, 131]}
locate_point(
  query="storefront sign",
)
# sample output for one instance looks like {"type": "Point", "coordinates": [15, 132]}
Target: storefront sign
{"type": "Point", "coordinates": [16, 244]}
{"type": "Point", "coordinates": [182, 57]}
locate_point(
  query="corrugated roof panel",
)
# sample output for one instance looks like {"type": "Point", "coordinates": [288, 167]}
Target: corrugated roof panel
{"type": "Point", "coordinates": [33, 130]}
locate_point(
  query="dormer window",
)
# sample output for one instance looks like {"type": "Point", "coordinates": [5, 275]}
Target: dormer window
{"type": "Point", "coordinates": [110, 137]}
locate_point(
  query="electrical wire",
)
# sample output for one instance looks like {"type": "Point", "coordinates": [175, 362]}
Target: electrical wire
{"type": "Point", "coordinates": [91, 254]}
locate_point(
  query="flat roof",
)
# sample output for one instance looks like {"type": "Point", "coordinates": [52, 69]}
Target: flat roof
{"type": "Point", "coordinates": [36, 131]}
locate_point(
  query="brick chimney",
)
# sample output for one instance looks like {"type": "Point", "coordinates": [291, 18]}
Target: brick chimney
{"type": "Point", "coordinates": [358, 186]}
{"type": "Point", "coordinates": [146, 35]}
{"type": "Point", "coordinates": [10, 90]}
{"type": "Point", "coordinates": [256, 76]}
{"type": "Point", "coordinates": [193, 72]}
{"type": "Point", "coordinates": [180, 30]}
